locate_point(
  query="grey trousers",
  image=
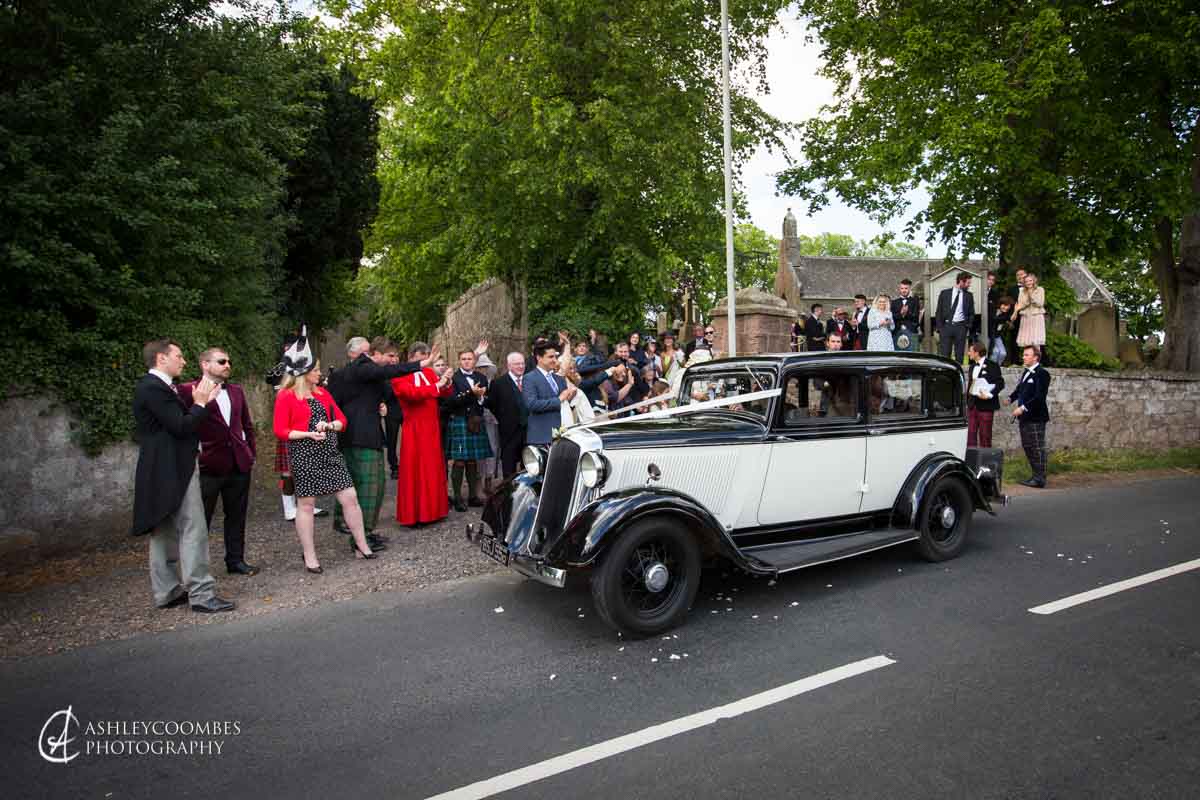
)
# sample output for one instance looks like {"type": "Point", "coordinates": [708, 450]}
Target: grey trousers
{"type": "Point", "coordinates": [179, 552]}
{"type": "Point", "coordinates": [953, 338]}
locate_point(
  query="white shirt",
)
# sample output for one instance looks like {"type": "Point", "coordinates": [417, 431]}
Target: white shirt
{"type": "Point", "coordinates": [225, 405]}
{"type": "Point", "coordinates": [162, 376]}
{"type": "Point", "coordinates": [470, 376]}
{"type": "Point", "coordinates": [516, 379]}
{"type": "Point", "coordinates": [957, 305]}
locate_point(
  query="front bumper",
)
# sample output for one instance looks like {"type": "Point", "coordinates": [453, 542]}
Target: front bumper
{"type": "Point", "coordinates": [533, 568]}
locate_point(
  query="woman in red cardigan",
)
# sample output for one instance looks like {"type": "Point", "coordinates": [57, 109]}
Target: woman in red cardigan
{"type": "Point", "coordinates": [309, 420]}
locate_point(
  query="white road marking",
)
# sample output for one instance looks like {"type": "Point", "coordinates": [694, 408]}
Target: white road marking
{"type": "Point", "coordinates": [655, 733]}
{"type": "Point", "coordinates": [1113, 588]}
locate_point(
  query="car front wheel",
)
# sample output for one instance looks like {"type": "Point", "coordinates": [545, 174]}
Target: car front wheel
{"type": "Point", "coordinates": [945, 521]}
{"type": "Point", "coordinates": [647, 581]}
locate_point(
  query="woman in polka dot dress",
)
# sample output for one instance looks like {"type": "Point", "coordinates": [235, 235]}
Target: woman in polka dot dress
{"type": "Point", "coordinates": [307, 417]}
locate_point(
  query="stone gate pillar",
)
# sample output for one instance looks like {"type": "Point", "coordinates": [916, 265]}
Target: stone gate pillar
{"type": "Point", "coordinates": [764, 323]}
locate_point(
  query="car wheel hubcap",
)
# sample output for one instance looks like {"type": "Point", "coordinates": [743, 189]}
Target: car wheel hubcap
{"type": "Point", "coordinates": [948, 517]}
{"type": "Point", "coordinates": [657, 577]}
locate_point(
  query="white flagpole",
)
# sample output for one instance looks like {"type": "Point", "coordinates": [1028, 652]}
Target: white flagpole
{"type": "Point", "coordinates": [730, 285]}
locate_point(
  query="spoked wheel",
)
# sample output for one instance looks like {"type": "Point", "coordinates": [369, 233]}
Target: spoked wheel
{"type": "Point", "coordinates": [945, 521]}
{"type": "Point", "coordinates": [647, 581]}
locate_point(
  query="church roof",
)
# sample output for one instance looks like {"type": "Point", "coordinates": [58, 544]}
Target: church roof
{"type": "Point", "coordinates": [827, 277]}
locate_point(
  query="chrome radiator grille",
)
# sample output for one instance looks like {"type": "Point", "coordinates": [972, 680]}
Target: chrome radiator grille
{"type": "Point", "coordinates": [558, 492]}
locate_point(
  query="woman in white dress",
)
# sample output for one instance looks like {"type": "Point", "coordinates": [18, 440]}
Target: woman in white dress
{"type": "Point", "coordinates": [880, 325]}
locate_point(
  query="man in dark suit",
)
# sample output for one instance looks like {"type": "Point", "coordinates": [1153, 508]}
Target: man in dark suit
{"type": "Point", "coordinates": [955, 313]}
{"type": "Point", "coordinates": [858, 324]}
{"type": "Point", "coordinates": [359, 388]}
{"type": "Point", "coordinates": [814, 328]}
{"type": "Point", "coordinates": [839, 324]}
{"type": "Point", "coordinates": [544, 391]}
{"type": "Point", "coordinates": [906, 312]}
{"type": "Point", "coordinates": [1033, 413]}
{"type": "Point", "coordinates": [507, 403]}
{"type": "Point", "coordinates": [167, 503]}
{"type": "Point", "coordinates": [227, 454]}
{"type": "Point", "coordinates": [981, 409]}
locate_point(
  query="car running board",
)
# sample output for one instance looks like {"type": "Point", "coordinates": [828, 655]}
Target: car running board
{"type": "Point", "coordinates": [811, 552]}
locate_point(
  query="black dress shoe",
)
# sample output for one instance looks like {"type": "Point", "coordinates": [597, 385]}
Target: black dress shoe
{"type": "Point", "coordinates": [476, 502]}
{"type": "Point", "coordinates": [214, 605]}
{"type": "Point", "coordinates": [378, 537]}
{"type": "Point", "coordinates": [1034, 483]}
{"type": "Point", "coordinates": [241, 568]}
{"type": "Point", "coordinates": [178, 601]}
{"type": "Point", "coordinates": [375, 543]}
{"type": "Point", "coordinates": [459, 505]}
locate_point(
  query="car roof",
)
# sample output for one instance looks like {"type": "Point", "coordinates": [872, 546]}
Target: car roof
{"type": "Point", "coordinates": [896, 358]}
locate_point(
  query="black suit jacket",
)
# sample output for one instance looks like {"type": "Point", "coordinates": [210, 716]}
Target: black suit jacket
{"type": "Point", "coordinates": [508, 406]}
{"type": "Point", "coordinates": [945, 314]}
{"type": "Point", "coordinates": [167, 433]}
{"type": "Point", "coordinates": [814, 333]}
{"type": "Point", "coordinates": [358, 388]}
{"type": "Point", "coordinates": [912, 322]}
{"type": "Point", "coordinates": [1031, 393]}
{"type": "Point", "coordinates": [463, 402]}
{"type": "Point", "coordinates": [991, 373]}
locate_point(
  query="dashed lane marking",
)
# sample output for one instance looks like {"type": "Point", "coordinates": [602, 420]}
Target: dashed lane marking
{"type": "Point", "coordinates": [1113, 588]}
{"type": "Point", "coordinates": [655, 733]}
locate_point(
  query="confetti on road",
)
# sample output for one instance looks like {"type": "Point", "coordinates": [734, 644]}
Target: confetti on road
{"type": "Point", "coordinates": [621, 649]}
{"type": "Point", "coordinates": [674, 657]}
{"type": "Point", "coordinates": [654, 661]}
{"type": "Point", "coordinates": [771, 582]}
{"type": "Point", "coordinates": [795, 603]}
{"type": "Point", "coordinates": [581, 616]}
{"type": "Point", "coordinates": [1060, 555]}
{"type": "Point", "coordinates": [754, 616]}
{"type": "Point", "coordinates": [614, 677]}
{"type": "Point", "coordinates": [499, 609]}
{"type": "Point", "coordinates": [553, 675]}
{"type": "Point", "coordinates": [829, 586]}
{"type": "Point", "coordinates": [729, 609]}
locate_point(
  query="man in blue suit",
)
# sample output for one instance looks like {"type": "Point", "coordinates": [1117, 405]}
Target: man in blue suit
{"type": "Point", "coordinates": [1033, 413]}
{"type": "Point", "coordinates": [544, 391]}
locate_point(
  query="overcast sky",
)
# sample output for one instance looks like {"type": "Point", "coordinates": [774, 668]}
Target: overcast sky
{"type": "Point", "coordinates": [796, 93]}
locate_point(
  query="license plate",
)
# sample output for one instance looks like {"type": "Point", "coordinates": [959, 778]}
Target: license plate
{"type": "Point", "coordinates": [494, 549]}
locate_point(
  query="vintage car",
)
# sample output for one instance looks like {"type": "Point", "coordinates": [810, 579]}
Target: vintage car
{"type": "Point", "coordinates": [773, 463]}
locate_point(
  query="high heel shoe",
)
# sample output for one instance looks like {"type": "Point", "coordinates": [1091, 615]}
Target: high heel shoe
{"type": "Point", "coordinates": [317, 570]}
{"type": "Point", "coordinates": [359, 553]}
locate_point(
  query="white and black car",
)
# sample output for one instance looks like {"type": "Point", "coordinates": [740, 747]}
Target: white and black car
{"type": "Point", "coordinates": [773, 463]}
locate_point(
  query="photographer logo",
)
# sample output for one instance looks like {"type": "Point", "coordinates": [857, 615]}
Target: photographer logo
{"type": "Point", "coordinates": [54, 748]}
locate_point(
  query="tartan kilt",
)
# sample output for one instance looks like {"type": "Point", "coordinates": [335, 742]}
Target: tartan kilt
{"type": "Point", "coordinates": [467, 446]}
{"type": "Point", "coordinates": [283, 463]}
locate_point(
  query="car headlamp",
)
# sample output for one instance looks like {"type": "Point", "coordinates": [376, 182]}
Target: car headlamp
{"type": "Point", "coordinates": [532, 458]}
{"type": "Point", "coordinates": [593, 469]}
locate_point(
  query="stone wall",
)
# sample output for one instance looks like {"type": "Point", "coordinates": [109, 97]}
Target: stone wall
{"type": "Point", "coordinates": [490, 310]}
{"type": "Point", "coordinates": [1099, 410]}
{"type": "Point", "coordinates": [764, 323]}
{"type": "Point", "coordinates": [56, 499]}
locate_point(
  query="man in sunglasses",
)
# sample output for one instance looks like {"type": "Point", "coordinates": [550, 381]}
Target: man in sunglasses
{"type": "Point", "coordinates": [227, 453]}
{"type": "Point", "coordinates": [703, 339]}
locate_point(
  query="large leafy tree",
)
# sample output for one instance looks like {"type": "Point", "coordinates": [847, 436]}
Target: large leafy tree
{"type": "Point", "coordinates": [1041, 129]}
{"type": "Point", "coordinates": [142, 184]}
{"type": "Point", "coordinates": [570, 145]}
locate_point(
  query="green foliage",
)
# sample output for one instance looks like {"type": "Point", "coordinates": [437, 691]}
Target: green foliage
{"type": "Point", "coordinates": [1077, 460]}
{"type": "Point", "coordinates": [573, 146]}
{"type": "Point", "coordinates": [1072, 352]}
{"type": "Point", "coordinates": [1132, 283]}
{"type": "Point", "coordinates": [142, 183]}
{"type": "Point", "coordinates": [1040, 129]}
{"type": "Point", "coordinates": [844, 245]}
{"type": "Point", "coordinates": [1060, 296]}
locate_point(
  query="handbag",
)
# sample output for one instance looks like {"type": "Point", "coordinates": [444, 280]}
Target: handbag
{"type": "Point", "coordinates": [474, 423]}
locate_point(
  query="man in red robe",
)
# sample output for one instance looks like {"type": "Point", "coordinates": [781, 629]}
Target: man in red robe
{"type": "Point", "coordinates": [421, 490]}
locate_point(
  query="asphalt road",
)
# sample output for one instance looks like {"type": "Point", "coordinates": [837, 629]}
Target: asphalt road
{"type": "Point", "coordinates": [412, 695]}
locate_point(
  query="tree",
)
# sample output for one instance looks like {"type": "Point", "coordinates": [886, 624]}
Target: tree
{"type": "Point", "coordinates": [141, 188]}
{"type": "Point", "coordinates": [571, 146]}
{"type": "Point", "coordinates": [1041, 129]}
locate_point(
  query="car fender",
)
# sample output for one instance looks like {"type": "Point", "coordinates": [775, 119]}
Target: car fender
{"type": "Point", "coordinates": [906, 511]}
{"type": "Point", "coordinates": [600, 523]}
{"type": "Point", "coordinates": [498, 509]}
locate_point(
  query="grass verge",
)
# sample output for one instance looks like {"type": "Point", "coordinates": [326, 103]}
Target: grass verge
{"type": "Point", "coordinates": [1077, 460]}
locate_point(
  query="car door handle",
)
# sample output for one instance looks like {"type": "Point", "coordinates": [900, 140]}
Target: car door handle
{"type": "Point", "coordinates": [875, 431]}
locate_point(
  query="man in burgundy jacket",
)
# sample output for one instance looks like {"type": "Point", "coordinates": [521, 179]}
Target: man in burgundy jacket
{"type": "Point", "coordinates": [227, 452]}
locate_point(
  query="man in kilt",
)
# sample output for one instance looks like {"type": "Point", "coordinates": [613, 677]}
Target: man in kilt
{"type": "Point", "coordinates": [360, 389]}
{"type": "Point", "coordinates": [468, 437]}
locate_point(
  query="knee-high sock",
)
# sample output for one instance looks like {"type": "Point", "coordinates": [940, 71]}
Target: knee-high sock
{"type": "Point", "coordinates": [473, 478]}
{"type": "Point", "coordinates": [456, 477]}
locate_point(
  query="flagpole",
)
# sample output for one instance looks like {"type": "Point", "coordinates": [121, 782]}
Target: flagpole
{"type": "Point", "coordinates": [730, 285]}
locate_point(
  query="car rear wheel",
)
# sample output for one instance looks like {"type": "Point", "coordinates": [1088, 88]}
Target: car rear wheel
{"type": "Point", "coordinates": [647, 581]}
{"type": "Point", "coordinates": [945, 521]}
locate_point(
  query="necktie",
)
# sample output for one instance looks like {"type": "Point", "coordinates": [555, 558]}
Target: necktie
{"type": "Point", "coordinates": [954, 306]}
{"type": "Point", "coordinates": [518, 383]}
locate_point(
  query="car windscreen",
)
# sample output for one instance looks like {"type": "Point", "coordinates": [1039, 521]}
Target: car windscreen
{"type": "Point", "coordinates": [719, 384]}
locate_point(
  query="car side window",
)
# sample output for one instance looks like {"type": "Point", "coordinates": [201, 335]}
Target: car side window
{"type": "Point", "coordinates": [895, 395]}
{"type": "Point", "coordinates": [820, 397]}
{"type": "Point", "coordinates": [945, 394]}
